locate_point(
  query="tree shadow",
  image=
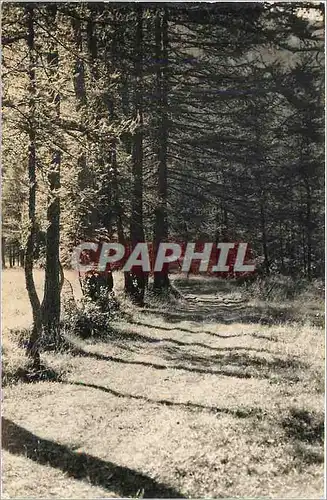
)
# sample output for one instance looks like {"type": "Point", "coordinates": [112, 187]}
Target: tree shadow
{"type": "Point", "coordinates": [263, 368]}
{"type": "Point", "coordinates": [306, 431]}
{"type": "Point", "coordinates": [181, 329]}
{"type": "Point", "coordinates": [266, 313]}
{"type": "Point", "coordinates": [258, 366]}
{"type": "Point", "coordinates": [28, 374]}
{"type": "Point", "coordinates": [222, 307]}
{"type": "Point", "coordinates": [202, 317]}
{"type": "Point", "coordinates": [191, 344]}
{"type": "Point", "coordinates": [269, 315]}
{"type": "Point", "coordinates": [243, 412]}
{"type": "Point", "coordinates": [77, 351]}
{"type": "Point", "coordinates": [82, 466]}
{"type": "Point", "coordinates": [305, 426]}
{"type": "Point", "coordinates": [205, 286]}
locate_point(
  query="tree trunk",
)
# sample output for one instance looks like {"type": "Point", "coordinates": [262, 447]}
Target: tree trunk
{"type": "Point", "coordinates": [15, 253]}
{"type": "Point", "coordinates": [21, 258]}
{"type": "Point", "coordinates": [85, 175]}
{"type": "Point", "coordinates": [10, 255]}
{"type": "Point", "coordinates": [33, 345]}
{"type": "Point", "coordinates": [309, 229]}
{"type": "Point", "coordinates": [113, 181]}
{"type": "Point", "coordinates": [137, 280]}
{"type": "Point", "coordinates": [51, 301]}
{"type": "Point", "coordinates": [264, 236]}
{"type": "Point", "coordinates": [281, 248]}
{"type": "Point", "coordinates": [111, 186]}
{"type": "Point", "coordinates": [3, 252]}
{"type": "Point", "coordinates": [161, 279]}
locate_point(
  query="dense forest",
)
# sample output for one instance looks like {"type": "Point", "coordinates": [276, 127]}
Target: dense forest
{"type": "Point", "coordinates": [162, 124]}
{"type": "Point", "coordinates": [144, 122]}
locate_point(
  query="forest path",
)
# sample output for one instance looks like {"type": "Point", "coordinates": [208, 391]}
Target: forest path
{"type": "Point", "coordinates": [172, 402]}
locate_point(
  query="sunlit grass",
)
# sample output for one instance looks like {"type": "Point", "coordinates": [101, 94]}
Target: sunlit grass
{"type": "Point", "coordinates": [215, 395]}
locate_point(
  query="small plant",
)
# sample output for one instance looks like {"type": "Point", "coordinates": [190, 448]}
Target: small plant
{"type": "Point", "coordinates": [92, 318]}
{"type": "Point", "coordinates": [280, 288]}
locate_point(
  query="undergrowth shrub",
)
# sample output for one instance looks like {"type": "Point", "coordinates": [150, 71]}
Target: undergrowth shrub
{"type": "Point", "coordinates": [284, 288]}
{"type": "Point", "coordinates": [14, 361]}
{"type": "Point", "coordinates": [92, 318]}
{"type": "Point", "coordinates": [167, 297]}
{"type": "Point", "coordinates": [17, 367]}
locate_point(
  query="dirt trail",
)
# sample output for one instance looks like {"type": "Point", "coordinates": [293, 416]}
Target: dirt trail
{"type": "Point", "coordinates": [174, 402]}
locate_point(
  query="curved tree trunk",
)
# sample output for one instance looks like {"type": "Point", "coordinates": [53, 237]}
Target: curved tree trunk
{"type": "Point", "coordinates": [33, 345]}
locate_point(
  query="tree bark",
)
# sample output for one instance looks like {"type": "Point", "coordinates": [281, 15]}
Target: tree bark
{"type": "Point", "coordinates": [3, 252]}
{"type": "Point", "coordinates": [308, 229]}
{"type": "Point", "coordinates": [264, 235]}
{"type": "Point", "coordinates": [10, 255]}
{"type": "Point", "coordinates": [33, 345]}
{"type": "Point", "coordinates": [161, 279]}
{"type": "Point", "coordinates": [13, 251]}
{"type": "Point", "coordinates": [21, 257]}
{"type": "Point", "coordinates": [85, 175]}
{"type": "Point", "coordinates": [137, 279]}
{"type": "Point", "coordinates": [51, 301]}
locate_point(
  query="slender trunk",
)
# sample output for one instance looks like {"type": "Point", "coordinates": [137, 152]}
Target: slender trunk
{"type": "Point", "coordinates": [119, 218]}
{"type": "Point", "coordinates": [161, 279]}
{"type": "Point", "coordinates": [112, 198]}
{"type": "Point", "coordinates": [224, 220]}
{"type": "Point", "coordinates": [137, 281]}
{"type": "Point", "coordinates": [261, 195]}
{"type": "Point", "coordinates": [79, 71]}
{"type": "Point", "coordinates": [264, 236]}
{"type": "Point", "coordinates": [3, 252]}
{"type": "Point", "coordinates": [113, 181]}
{"type": "Point", "coordinates": [309, 230]}
{"type": "Point", "coordinates": [21, 258]}
{"type": "Point", "coordinates": [304, 251]}
{"type": "Point", "coordinates": [85, 176]}
{"type": "Point", "coordinates": [125, 102]}
{"type": "Point", "coordinates": [10, 255]}
{"type": "Point", "coordinates": [224, 211]}
{"type": "Point", "coordinates": [16, 254]}
{"type": "Point", "coordinates": [281, 248]}
{"type": "Point", "coordinates": [51, 301]}
{"type": "Point", "coordinates": [33, 345]}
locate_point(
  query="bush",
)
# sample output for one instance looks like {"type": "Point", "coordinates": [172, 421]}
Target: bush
{"type": "Point", "coordinates": [92, 318]}
{"type": "Point", "coordinates": [280, 288]}
{"type": "Point", "coordinates": [14, 361]}
{"type": "Point", "coordinates": [17, 367]}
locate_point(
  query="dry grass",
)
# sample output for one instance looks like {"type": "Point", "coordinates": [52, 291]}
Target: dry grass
{"type": "Point", "coordinates": [207, 397]}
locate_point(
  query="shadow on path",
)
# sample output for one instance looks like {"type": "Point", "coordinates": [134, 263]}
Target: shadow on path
{"type": "Point", "coordinates": [82, 466]}
{"type": "Point", "coordinates": [239, 412]}
{"type": "Point", "coordinates": [210, 300]}
{"type": "Point", "coordinates": [227, 315]}
{"type": "Point", "coordinates": [29, 375]}
{"type": "Point", "coordinates": [305, 426]}
{"type": "Point", "coordinates": [263, 368]}
{"type": "Point", "coordinates": [76, 351]}
{"type": "Point", "coordinates": [306, 432]}
{"type": "Point", "coordinates": [145, 338]}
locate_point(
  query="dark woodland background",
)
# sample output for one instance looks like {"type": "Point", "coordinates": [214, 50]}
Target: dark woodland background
{"type": "Point", "coordinates": [144, 122]}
